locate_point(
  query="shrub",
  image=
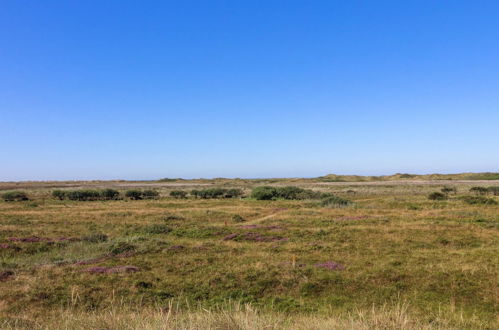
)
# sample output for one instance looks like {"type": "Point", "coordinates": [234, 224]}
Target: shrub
{"type": "Point", "coordinates": [238, 218]}
{"type": "Point", "coordinates": [479, 190]}
{"type": "Point", "coordinates": [474, 200]}
{"type": "Point", "coordinates": [150, 194]}
{"type": "Point", "coordinates": [109, 194]}
{"type": "Point", "coordinates": [133, 194]}
{"type": "Point", "coordinates": [59, 194]}
{"type": "Point", "coordinates": [83, 195]}
{"type": "Point", "coordinates": [195, 193]}
{"type": "Point", "coordinates": [264, 193]}
{"type": "Point", "coordinates": [335, 201]}
{"type": "Point", "coordinates": [233, 193]}
{"type": "Point", "coordinates": [179, 194]}
{"type": "Point", "coordinates": [14, 196]}
{"type": "Point", "coordinates": [437, 196]}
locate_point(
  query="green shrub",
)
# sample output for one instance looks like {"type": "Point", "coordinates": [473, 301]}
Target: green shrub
{"type": "Point", "coordinates": [233, 193]}
{"type": "Point", "coordinates": [59, 194]}
{"type": "Point", "coordinates": [109, 194]}
{"type": "Point", "coordinates": [133, 194]}
{"type": "Point", "coordinates": [479, 190]}
{"type": "Point", "coordinates": [15, 196]}
{"type": "Point", "coordinates": [179, 194]}
{"type": "Point", "coordinates": [83, 195]}
{"type": "Point", "coordinates": [150, 194]}
{"type": "Point", "coordinates": [264, 193]}
{"type": "Point", "coordinates": [335, 202]}
{"type": "Point", "coordinates": [474, 200]}
{"type": "Point", "coordinates": [288, 192]}
{"type": "Point", "coordinates": [437, 196]}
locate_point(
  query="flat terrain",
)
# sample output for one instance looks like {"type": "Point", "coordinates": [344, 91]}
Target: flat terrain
{"type": "Point", "coordinates": [392, 250]}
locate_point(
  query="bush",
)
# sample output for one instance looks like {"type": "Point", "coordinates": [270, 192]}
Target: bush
{"type": "Point", "coordinates": [179, 194]}
{"type": "Point", "coordinates": [83, 195]}
{"type": "Point", "coordinates": [289, 193]}
{"type": "Point", "coordinates": [335, 201]}
{"type": "Point", "coordinates": [233, 193]}
{"type": "Point", "coordinates": [216, 193]}
{"type": "Point", "coordinates": [59, 194]}
{"type": "Point", "coordinates": [264, 193]}
{"type": "Point", "coordinates": [474, 200]}
{"type": "Point", "coordinates": [479, 190]}
{"type": "Point", "coordinates": [109, 194]}
{"type": "Point", "coordinates": [14, 196]}
{"type": "Point", "coordinates": [437, 196]}
{"type": "Point", "coordinates": [121, 247]}
{"type": "Point", "coordinates": [133, 194]}
{"type": "Point", "coordinates": [150, 194]}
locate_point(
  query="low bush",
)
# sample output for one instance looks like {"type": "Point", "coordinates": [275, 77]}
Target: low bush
{"type": "Point", "coordinates": [437, 196]}
{"type": "Point", "coordinates": [178, 194]}
{"type": "Point", "coordinates": [288, 192]}
{"type": "Point", "coordinates": [86, 194]}
{"type": "Point", "coordinates": [59, 194]}
{"type": "Point", "coordinates": [335, 202]}
{"type": "Point", "coordinates": [109, 194]}
{"type": "Point", "coordinates": [121, 247]}
{"type": "Point", "coordinates": [150, 194]}
{"type": "Point", "coordinates": [133, 194]}
{"type": "Point", "coordinates": [14, 196]}
{"type": "Point", "coordinates": [480, 200]}
{"type": "Point", "coordinates": [216, 193]}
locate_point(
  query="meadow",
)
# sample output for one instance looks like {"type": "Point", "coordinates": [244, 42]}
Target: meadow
{"type": "Point", "coordinates": [390, 258]}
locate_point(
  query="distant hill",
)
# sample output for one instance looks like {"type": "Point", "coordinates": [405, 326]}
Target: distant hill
{"type": "Point", "coordinates": [405, 176]}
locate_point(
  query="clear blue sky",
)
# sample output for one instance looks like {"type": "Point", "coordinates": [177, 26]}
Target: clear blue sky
{"type": "Point", "coordinates": [151, 89]}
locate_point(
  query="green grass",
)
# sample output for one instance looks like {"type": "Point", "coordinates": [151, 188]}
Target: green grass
{"type": "Point", "coordinates": [396, 246]}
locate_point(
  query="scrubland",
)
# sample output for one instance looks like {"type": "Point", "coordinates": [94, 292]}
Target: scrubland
{"type": "Point", "coordinates": [390, 258]}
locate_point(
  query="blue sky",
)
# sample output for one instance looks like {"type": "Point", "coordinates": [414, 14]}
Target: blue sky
{"type": "Point", "coordinates": [151, 89]}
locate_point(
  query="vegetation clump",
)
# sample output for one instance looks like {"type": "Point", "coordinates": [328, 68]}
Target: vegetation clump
{"type": "Point", "coordinates": [437, 196]}
{"type": "Point", "coordinates": [135, 194]}
{"type": "Point", "coordinates": [448, 190]}
{"type": "Point", "coordinates": [14, 196]}
{"type": "Point", "coordinates": [86, 194]}
{"type": "Point", "coordinates": [288, 192]}
{"type": "Point", "coordinates": [216, 193]}
{"type": "Point", "coordinates": [238, 218]}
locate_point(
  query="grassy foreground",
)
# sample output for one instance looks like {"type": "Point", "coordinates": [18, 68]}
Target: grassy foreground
{"type": "Point", "coordinates": [393, 260]}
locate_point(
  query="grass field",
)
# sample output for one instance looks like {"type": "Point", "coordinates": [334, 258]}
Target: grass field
{"type": "Point", "coordinates": [391, 259]}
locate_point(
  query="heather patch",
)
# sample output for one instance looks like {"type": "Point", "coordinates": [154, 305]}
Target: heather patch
{"type": "Point", "coordinates": [36, 239]}
{"type": "Point", "coordinates": [330, 265]}
{"type": "Point", "coordinates": [111, 270]}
